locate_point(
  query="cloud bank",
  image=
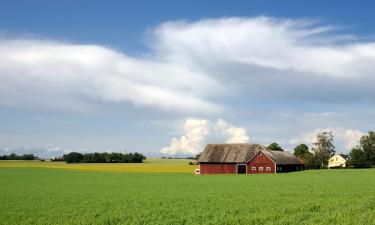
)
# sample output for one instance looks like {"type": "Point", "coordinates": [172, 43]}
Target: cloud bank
{"type": "Point", "coordinates": [191, 66]}
{"type": "Point", "coordinates": [196, 132]}
{"type": "Point", "coordinates": [68, 76]}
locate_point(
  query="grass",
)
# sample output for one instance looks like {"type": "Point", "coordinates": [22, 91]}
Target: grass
{"type": "Point", "coordinates": [152, 165]}
{"type": "Point", "coordinates": [58, 196]}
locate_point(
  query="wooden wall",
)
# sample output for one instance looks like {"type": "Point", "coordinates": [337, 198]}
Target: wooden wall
{"type": "Point", "coordinates": [217, 168]}
{"type": "Point", "coordinates": [261, 161]}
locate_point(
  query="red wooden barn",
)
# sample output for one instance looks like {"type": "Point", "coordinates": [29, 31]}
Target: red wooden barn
{"type": "Point", "coordinates": [245, 159]}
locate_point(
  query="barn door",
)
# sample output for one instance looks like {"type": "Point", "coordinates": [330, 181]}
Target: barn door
{"type": "Point", "coordinates": [241, 168]}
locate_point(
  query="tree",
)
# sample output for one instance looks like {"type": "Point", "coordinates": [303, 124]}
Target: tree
{"type": "Point", "coordinates": [367, 144]}
{"type": "Point", "coordinates": [364, 154]}
{"type": "Point", "coordinates": [323, 147]}
{"type": "Point", "coordinates": [275, 147]}
{"type": "Point", "coordinates": [301, 150]}
{"type": "Point", "coordinates": [73, 157]}
{"type": "Point", "coordinates": [357, 158]}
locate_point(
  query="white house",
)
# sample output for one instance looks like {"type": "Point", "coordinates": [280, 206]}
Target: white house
{"type": "Point", "coordinates": [337, 160]}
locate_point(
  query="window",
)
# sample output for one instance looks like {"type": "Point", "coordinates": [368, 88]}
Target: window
{"type": "Point", "coordinates": [253, 168]}
{"type": "Point", "coordinates": [260, 168]}
{"type": "Point", "coordinates": [268, 168]}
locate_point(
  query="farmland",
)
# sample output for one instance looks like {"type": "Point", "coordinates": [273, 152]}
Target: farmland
{"type": "Point", "coordinates": [152, 165]}
{"type": "Point", "coordinates": [35, 193]}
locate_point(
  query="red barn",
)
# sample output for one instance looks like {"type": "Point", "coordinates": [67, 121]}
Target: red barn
{"type": "Point", "coordinates": [245, 159]}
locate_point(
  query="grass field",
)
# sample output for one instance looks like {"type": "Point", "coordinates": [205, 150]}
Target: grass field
{"type": "Point", "coordinates": [60, 196]}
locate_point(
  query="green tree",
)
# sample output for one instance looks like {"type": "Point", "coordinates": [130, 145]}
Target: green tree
{"type": "Point", "coordinates": [275, 147]}
{"type": "Point", "coordinates": [357, 158]}
{"type": "Point", "coordinates": [367, 144]}
{"type": "Point", "coordinates": [364, 154]}
{"type": "Point", "coordinates": [323, 147]}
{"type": "Point", "coordinates": [73, 157]}
{"type": "Point", "coordinates": [301, 150]}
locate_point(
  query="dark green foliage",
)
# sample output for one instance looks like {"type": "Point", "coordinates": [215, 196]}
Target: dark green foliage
{"type": "Point", "coordinates": [323, 148]}
{"type": "Point", "coordinates": [310, 161]}
{"type": "Point", "coordinates": [73, 157]}
{"type": "Point", "coordinates": [275, 147]}
{"type": "Point", "coordinates": [105, 157]}
{"type": "Point", "coordinates": [301, 150]}
{"type": "Point", "coordinates": [364, 154]}
{"type": "Point", "coordinates": [18, 157]}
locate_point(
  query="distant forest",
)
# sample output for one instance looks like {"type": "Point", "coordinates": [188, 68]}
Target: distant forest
{"type": "Point", "coordinates": [114, 157]}
{"type": "Point", "coordinates": [76, 157]}
{"type": "Point", "coordinates": [18, 157]}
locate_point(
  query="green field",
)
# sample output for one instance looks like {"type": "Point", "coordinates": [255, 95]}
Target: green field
{"type": "Point", "coordinates": [60, 196]}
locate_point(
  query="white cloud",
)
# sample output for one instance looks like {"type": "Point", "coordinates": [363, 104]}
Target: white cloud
{"type": "Point", "coordinates": [234, 134]}
{"type": "Point", "coordinates": [69, 76]}
{"type": "Point", "coordinates": [196, 132]}
{"type": "Point", "coordinates": [302, 59]}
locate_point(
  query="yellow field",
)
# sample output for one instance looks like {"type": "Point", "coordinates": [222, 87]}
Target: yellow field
{"type": "Point", "coordinates": [152, 165]}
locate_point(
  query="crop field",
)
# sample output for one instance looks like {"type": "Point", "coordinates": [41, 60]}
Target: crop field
{"type": "Point", "coordinates": [43, 195]}
{"type": "Point", "coordinates": [152, 165]}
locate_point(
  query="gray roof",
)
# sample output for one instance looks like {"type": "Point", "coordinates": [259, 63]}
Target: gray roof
{"type": "Point", "coordinates": [243, 153]}
{"type": "Point", "coordinates": [344, 156]}
{"type": "Point", "coordinates": [282, 157]}
{"type": "Point", "coordinates": [229, 153]}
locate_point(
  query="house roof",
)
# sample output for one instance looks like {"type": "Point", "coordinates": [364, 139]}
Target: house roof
{"type": "Point", "coordinates": [282, 157]}
{"type": "Point", "coordinates": [344, 156]}
{"type": "Point", "coordinates": [229, 153]}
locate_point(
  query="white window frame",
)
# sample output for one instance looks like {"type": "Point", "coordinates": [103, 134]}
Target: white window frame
{"type": "Point", "coordinates": [268, 168]}
{"type": "Point", "coordinates": [253, 168]}
{"type": "Point", "coordinates": [261, 168]}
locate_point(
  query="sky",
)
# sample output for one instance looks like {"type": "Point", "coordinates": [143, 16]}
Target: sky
{"type": "Point", "coordinates": [168, 77]}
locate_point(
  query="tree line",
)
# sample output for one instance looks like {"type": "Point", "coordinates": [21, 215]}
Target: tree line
{"type": "Point", "coordinates": [114, 157]}
{"type": "Point", "coordinates": [13, 156]}
{"type": "Point", "coordinates": [362, 155]}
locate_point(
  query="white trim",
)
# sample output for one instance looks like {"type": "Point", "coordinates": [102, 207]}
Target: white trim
{"type": "Point", "coordinates": [275, 167]}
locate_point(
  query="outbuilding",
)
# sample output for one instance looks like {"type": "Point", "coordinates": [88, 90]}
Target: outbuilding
{"type": "Point", "coordinates": [245, 159]}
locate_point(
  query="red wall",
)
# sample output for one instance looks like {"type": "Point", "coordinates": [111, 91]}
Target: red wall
{"type": "Point", "coordinates": [217, 168]}
{"type": "Point", "coordinates": [261, 160]}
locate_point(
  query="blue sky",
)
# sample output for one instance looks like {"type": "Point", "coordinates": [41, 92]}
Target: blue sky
{"type": "Point", "coordinates": [171, 76]}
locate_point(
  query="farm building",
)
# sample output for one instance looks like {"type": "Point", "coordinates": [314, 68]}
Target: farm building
{"type": "Point", "coordinates": [337, 160]}
{"type": "Point", "coordinates": [245, 159]}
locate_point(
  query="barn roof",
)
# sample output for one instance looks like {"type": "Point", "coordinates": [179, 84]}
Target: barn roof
{"type": "Point", "coordinates": [229, 153]}
{"type": "Point", "coordinates": [282, 157]}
